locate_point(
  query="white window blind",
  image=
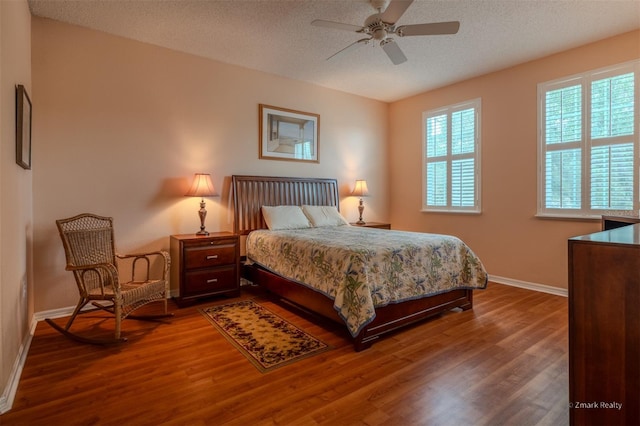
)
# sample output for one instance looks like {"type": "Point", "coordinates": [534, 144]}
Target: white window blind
{"type": "Point", "coordinates": [451, 155]}
{"type": "Point", "coordinates": [588, 143]}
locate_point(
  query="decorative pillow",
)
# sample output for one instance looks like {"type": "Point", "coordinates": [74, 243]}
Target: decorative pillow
{"type": "Point", "coordinates": [285, 217]}
{"type": "Point", "coordinates": [324, 216]}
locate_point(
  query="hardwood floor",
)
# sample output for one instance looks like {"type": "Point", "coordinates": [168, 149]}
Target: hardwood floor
{"type": "Point", "coordinates": [504, 362]}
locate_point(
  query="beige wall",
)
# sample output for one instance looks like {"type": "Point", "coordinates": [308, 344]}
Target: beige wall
{"type": "Point", "coordinates": [121, 126]}
{"type": "Point", "coordinates": [511, 241]}
{"type": "Point", "coordinates": [16, 295]}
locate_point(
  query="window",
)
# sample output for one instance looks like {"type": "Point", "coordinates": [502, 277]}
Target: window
{"type": "Point", "coordinates": [451, 158]}
{"type": "Point", "coordinates": [588, 143]}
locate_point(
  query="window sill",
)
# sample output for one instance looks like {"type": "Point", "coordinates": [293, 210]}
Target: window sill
{"type": "Point", "coordinates": [554, 216]}
{"type": "Point", "coordinates": [452, 211]}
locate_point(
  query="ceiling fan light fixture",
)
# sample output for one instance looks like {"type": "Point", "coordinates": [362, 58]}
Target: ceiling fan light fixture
{"type": "Point", "coordinates": [379, 34]}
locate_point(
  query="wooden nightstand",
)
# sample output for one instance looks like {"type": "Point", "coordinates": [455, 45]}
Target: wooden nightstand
{"type": "Point", "coordinates": [379, 225]}
{"type": "Point", "coordinates": [205, 265]}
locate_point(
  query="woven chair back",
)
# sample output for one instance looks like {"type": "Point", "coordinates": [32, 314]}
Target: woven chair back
{"type": "Point", "coordinates": [87, 239]}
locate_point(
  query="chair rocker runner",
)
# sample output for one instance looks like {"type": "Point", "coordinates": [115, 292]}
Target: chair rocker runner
{"type": "Point", "coordinates": [90, 254]}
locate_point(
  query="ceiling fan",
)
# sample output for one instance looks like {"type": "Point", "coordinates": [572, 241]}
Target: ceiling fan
{"type": "Point", "coordinates": [380, 26]}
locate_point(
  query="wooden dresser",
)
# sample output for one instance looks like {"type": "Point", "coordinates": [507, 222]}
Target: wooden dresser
{"type": "Point", "coordinates": [205, 265]}
{"type": "Point", "coordinates": [604, 327]}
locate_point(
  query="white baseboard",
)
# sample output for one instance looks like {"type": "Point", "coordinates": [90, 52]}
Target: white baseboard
{"type": "Point", "coordinates": [530, 286]}
{"type": "Point", "coordinates": [9, 394]}
{"type": "Point", "coordinates": [60, 312]}
{"type": "Point", "coordinates": [6, 400]}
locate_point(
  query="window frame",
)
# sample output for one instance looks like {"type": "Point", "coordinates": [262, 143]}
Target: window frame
{"type": "Point", "coordinates": [586, 142]}
{"type": "Point", "coordinates": [476, 104]}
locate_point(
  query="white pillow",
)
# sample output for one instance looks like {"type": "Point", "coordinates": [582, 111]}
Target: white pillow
{"type": "Point", "coordinates": [285, 217]}
{"type": "Point", "coordinates": [324, 216]}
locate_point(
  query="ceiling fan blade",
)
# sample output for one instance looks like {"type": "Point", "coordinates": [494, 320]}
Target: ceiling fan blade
{"type": "Point", "coordinates": [350, 47]}
{"type": "Point", "coordinates": [336, 25]}
{"type": "Point", "coordinates": [394, 52]}
{"type": "Point", "coordinates": [436, 28]}
{"type": "Point", "coordinates": [395, 10]}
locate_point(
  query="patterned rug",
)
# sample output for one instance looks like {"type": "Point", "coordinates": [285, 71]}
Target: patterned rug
{"type": "Point", "coordinates": [266, 339]}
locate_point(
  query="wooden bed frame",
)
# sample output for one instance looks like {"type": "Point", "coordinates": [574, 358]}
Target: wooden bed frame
{"type": "Point", "coordinates": [250, 193]}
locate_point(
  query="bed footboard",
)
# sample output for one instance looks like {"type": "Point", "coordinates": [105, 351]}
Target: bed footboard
{"type": "Point", "coordinates": [392, 317]}
{"type": "Point", "coordinates": [388, 318]}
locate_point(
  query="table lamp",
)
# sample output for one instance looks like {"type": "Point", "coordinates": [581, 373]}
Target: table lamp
{"type": "Point", "coordinates": [201, 187]}
{"type": "Point", "coordinates": [360, 190]}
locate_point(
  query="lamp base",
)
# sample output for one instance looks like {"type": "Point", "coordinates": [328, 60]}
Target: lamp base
{"type": "Point", "coordinates": [203, 214]}
{"type": "Point", "coordinates": [360, 210]}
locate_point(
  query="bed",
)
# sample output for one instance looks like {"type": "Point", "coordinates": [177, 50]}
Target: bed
{"type": "Point", "coordinates": [345, 254]}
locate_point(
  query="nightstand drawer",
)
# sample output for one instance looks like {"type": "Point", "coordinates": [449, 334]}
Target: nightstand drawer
{"type": "Point", "coordinates": [208, 256]}
{"type": "Point", "coordinates": [205, 281]}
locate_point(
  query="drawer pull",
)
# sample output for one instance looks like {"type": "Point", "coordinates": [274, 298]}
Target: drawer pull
{"type": "Point", "coordinates": [213, 280]}
{"type": "Point", "coordinates": [215, 256]}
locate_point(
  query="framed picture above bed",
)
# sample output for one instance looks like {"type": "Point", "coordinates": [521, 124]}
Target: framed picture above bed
{"type": "Point", "coordinates": [23, 128]}
{"type": "Point", "coordinates": [289, 135]}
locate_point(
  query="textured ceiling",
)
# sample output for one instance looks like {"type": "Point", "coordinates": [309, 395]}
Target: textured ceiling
{"type": "Point", "coordinates": [276, 36]}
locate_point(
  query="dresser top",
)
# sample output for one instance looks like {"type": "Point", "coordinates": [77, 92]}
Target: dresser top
{"type": "Point", "coordinates": [624, 235]}
{"type": "Point", "coordinates": [203, 237]}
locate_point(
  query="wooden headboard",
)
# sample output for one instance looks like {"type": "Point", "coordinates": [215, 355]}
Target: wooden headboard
{"type": "Point", "coordinates": [250, 193]}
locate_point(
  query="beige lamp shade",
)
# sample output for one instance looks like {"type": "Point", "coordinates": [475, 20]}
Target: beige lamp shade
{"type": "Point", "coordinates": [201, 186]}
{"type": "Point", "coordinates": [361, 189]}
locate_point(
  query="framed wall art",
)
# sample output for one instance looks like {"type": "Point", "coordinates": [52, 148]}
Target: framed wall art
{"type": "Point", "coordinates": [290, 135]}
{"type": "Point", "coordinates": [23, 128]}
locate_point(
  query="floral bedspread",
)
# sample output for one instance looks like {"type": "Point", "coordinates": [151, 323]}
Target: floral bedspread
{"type": "Point", "coordinates": [364, 268]}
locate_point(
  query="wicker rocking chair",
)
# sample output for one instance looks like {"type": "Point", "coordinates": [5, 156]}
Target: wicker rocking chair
{"type": "Point", "coordinates": [90, 252]}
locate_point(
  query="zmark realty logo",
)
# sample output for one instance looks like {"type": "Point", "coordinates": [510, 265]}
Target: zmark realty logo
{"type": "Point", "coordinates": [595, 405]}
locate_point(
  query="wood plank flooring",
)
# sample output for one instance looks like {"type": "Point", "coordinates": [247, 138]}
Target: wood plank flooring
{"type": "Point", "coordinates": [502, 363]}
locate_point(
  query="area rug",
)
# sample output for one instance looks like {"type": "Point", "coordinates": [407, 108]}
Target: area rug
{"type": "Point", "coordinates": [264, 338]}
